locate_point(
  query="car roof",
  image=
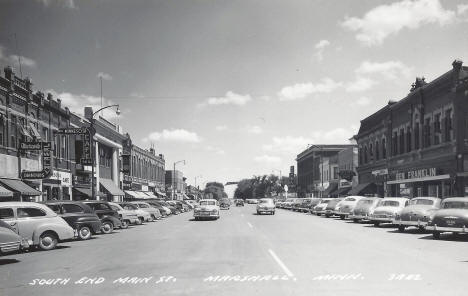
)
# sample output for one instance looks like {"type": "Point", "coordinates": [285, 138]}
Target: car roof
{"type": "Point", "coordinates": [427, 197]}
{"type": "Point", "coordinates": [464, 199]}
{"type": "Point", "coordinates": [394, 198]}
{"type": "Point", "coordinates": [20, 204]}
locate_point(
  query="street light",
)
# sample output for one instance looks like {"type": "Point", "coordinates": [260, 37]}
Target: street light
{"type": "Point", "coordinates": [173, 178]}
{"type": "Point", "coordinates": [92, 132]}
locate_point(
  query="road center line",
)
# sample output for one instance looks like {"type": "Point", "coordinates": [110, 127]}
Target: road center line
{"type": "Point", "coordinates": [281, 264]}
{"type": "Point", "coordinates": [250, 225]}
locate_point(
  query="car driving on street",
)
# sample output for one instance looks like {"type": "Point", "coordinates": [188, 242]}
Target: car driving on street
{"type": "Point", "coordinates": [266, 205]}
{"type": "Point", "coordinates": [207, 208]}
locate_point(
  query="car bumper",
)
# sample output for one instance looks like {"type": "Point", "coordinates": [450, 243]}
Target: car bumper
{"type": "Point", "coordinates": [447, 229]}
{"type": "Point", "coordinates": [10, 247]}
{"type": "Point", "coordinates": [359, 217]}
{"type": "Point", "coordinates": [266, 210]}
{"type": "Point", "coordinates": [205, 215]}
{"type": "Point", "coordinates": [409, 223]}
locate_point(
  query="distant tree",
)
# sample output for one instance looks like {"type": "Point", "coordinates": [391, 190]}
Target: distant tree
{"type": "Point", "coordinates": [215, 189]}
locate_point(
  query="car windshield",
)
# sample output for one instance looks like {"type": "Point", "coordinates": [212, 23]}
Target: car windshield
{"type": "Point", "coordinates": [207, 203]}
{"type": "Point", "coordinates": [455, 205]}
{"type": "Point", "coordinates": [350, 199]}
{"type": "Point", "coordinates": [389, 203]}
{"type": "Point", "coordinates": [418, 201]}
{"type": "Point", "coordinates": [129, 207]}
{"type": "Point", "coordinates": [366, 202]}
{"type": "Point", "coordinates": [324, 202]}
{"type": "Point", "coordinates": [266, 201]}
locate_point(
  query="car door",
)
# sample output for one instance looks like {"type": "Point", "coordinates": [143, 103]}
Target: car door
{"type": "Point", "coordinates": [7, 214]}
{"type": "Point", "coordinates": [28, 219]}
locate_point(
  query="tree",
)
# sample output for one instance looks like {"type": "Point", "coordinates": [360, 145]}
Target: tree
{"type": "Point", "coordinates": [215, 189]}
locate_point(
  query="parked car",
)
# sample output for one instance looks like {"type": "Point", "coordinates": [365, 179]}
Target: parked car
{"type": "Point", "coordinates": [155, 214]}
{"type": "Point", "coordinates": [332, 205]}
{"type": "Point", "coordinates": [208, 208]}
{"type": "Point", "coordinates": [345, 207]}
{"type": "Point", "coordinates": [287, 204]}
{"type": "Point", "coordinates": [364, 209]}
{"type": "Point", "coordinates": [239, 202]}
{"type": "Point", "coordinates": [165, 207]}
{"type": "Point", "coordinates": [10, 241]}
{"type": "Point", "coordinates": [126, 217]}
{"type": "Point", "coordinates": [78, 215]}
{"type": "Point", "coordinates": [321, 207]}
{"type": "Point", "coordinates": [387, 209]}
{"type": "Point", "coordinates": [185, 202]}
{"type": "Point", "coordinates": [159, 207]}
{"type": "Point", "coordinates": [176, 205]}
{"type": "Point", "coordinates": [224, 204]}
{"type": "Point", "coordinates": [143, 216]}
{"type": "Point", "coordinates": [172, 208]}
{"type": "Point", "coordinates": [417, 213]}
{"type": "Point", "coordinates": [451, 217]}
{"type": "Point", "coordinates": [36, 223]}
{"type": "Point", "coordinates": [266, 205]}
{"type": "Point", "coordinates": [110, 219]}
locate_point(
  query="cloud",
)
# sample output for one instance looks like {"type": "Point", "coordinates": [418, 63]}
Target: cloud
{"type": "Point", "coordinates": [462, 9]}
{"type": "Point", "coordinates": [288, 144]}
{"type": "Point", "coordinates": [64, 3]}
{"type": "Point", "coordinates": [104, 76]}
{"type": "Point", "coordinates": [215, 150]}
{"type": "Point", "coordinates": [174, 135]}
{"type": "Point", "coordinates": [363, 101]}
{"type": "Point", "coordinates": [334, 136]}
{"type": "Point", "coordinates": [360, 84]}
{"type": "Point", "coordinates": [13, 59]}
{"type": "Point", "coordinates": [302, 90]}
{"type": "Point", "coordinates": [385, 20]}
{"type": "Point", "coordinates": [254, 130]}
{"type": "Point", "coordinates": [319, 49]}
{"type": "Point", "coordinates": [221, 127]}
{"type": "Point", "coordinates": [268, 159]}
{"type": "Point", "coordinates": [391, 70]}
{"type": "Point", "coordinates": [230, 98]}
{"type": "Point", "coordinates": [76, 103]}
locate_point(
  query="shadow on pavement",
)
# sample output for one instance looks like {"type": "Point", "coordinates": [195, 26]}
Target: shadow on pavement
{"type": "Point", "coordinates": [381, 226]}
{"type": "Point", "coordinates": [410, 231]}
{"type": "Point", "coordinates": [8, 261]}
{"type": "Point", "coordinates": [448, 237]}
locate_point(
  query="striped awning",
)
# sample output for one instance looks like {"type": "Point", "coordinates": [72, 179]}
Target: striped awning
{"type": "Point", "coordinates": [5, 192]}
{"type": "Point", "coordinates": [20, 187]}
{"type": "Point", "coordinates": [109, 185]}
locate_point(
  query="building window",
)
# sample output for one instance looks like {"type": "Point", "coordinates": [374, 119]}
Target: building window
{"type": "Point", "coordinates": [13, 129]}
{"type": "Point", "coordinates": [408, 139]}
{"type": "Point", "coordinates": [395, 143]}
{"type": "Point", "coordinates": [416, 135]}
{"type": "Point", "coordinates": [2, 131]}
{"type": "Point", "coordinates": [448, 125]}
{"type": "Point", "coordinates": [427, 133]}
{"type": "Point", "coordinates": [437, 129]}
{"type": "Point", "coordinates": [371, 152]}
{"type": "Point", "coordinates": [402, 141]}
{"type": "Point", "coordinates": [384, 149]}
{"type": "Point", "coordinates": [365, 154]}
{"type": "Point", "coordinates": [377, 150]}
{"type": "Point", "coordinates": [63, 147]}
{"type": "Point", "coordinates": [360, 155]}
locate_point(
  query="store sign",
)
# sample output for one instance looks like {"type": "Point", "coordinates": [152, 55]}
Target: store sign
{"type": "Point", "coordinates": [380, 172]}
{"type": "Point", "coordinates": [64, 177]}
{"type": "Point", "coordinates": [73, 131]}
{"type": "Point", "coordinates": [46, 147]}
{"type": "Point", "coordinates": [415, 174]}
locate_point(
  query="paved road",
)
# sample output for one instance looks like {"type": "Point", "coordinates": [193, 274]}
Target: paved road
{"type": "Point", "coordinates": [245, 254]}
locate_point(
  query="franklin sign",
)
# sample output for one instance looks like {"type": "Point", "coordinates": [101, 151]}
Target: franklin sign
{"type": "Point", "coordinates": [415, 174]}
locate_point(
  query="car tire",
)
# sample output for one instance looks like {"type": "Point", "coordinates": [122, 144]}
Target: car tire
{"type": "Point", "coordinates": [376, 224]}
{"type": "Point", "coordinates": [153, 218]}
{"type": "Point", "coordinates": [258, 213]}
{"type": "Point", "coordinates": [318, 214]}
{"type": "Point", "coordinates": [141, 220]}
{"type": "Point", "coordinates": [401, 228]}
{"type": "Point", "coordinates": [124, 224]}
{"type": "Point", "coordinates": [107, 227]}
{"type": "Point", "coordinates": [436, 235]}
{"type": "Point", "coordinates": [342, 217]}
{"type": "Point", "coordinates": [327, 215]}
{"type": "Point", "coordinates": [422, 228]}
{"type": "Point", "coordinates": [273, 213]}
{"type": "Point", "coordinates": [48, 241]}
{"type": "Point", "coordinates": [84, 233]}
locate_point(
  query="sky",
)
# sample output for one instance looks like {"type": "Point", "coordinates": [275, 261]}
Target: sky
{"type": "Point", "coordinates": [234, 88]}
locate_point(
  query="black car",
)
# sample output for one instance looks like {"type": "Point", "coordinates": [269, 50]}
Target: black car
{"type": "Point", "coordinates": [78, 215]}
{"type": "Point", "coordinates": [239, 202]}
{"type": "Point", "coordinates": [110, 219]}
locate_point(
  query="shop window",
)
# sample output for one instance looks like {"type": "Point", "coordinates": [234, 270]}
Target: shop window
{"type": "Point", "coordinates": [384, 149]}
{"type": "Point", "coordinates": [427, 133]}
{"type": "Point", "coordinates": [448, 125]}
{"type": "Point", "coordinates": [402, 141]}
{"type": "Point", "coordinates": [437, 129]}
{"type": "Point", "coordinates": [416, 136]}
{"type": "Point", "coordinates": [365, 154]}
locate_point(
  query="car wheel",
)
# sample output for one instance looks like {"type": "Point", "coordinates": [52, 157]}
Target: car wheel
{"type": "Point", "coordinates": [436, 235]}
{"type": "Point", "coordinates": [84, 233]}
{"type": "Point", "coordinates": [124, 224]}
{"type": "Point", "coordinates": [48, 241]}
{"type": "Point", "coordinates": [273, 213]}
{"type": "Point", "coordinates": [327, 215]}
{"type": "Point", "coordinates": [258, 213]}
{"type": "Point", "coordinates": [150, 219]}
{"type": "Point", "coordinates": [153, 218]}
{"type": "Point", "coordinates": [107, 227]}
{"type": "Point", "coordinates": [401, 228]}
{"type": "Point", "coordinates": [318, 214]}
{"type": "Point", "coordinates": [342, 217]}
{"type": "Point", "coordinates": [422, 228]}
{"type": "Point", "coordinates": [376, 224]}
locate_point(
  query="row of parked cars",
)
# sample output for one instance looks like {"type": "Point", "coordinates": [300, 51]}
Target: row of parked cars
{"type": "Point", "coordinates": [25, 225]}
{"type": "Point", "coordinates": [425, 213]}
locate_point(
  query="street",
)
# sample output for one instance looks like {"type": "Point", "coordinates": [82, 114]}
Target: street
{"type": "Point", "coordinates": [287, 253]}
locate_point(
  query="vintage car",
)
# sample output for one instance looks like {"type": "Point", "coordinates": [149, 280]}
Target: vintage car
{"type": "Point", "coordinates": [387, 209]}
{"type": "Point", "coordinates": [78, 215]}
{"type": "Point", "coordinates": [10, 241]}
{"type": "Point", "coordinates": [288, 203]}
{"type": "Point", "coordinates": [451, 217]}
{"type": "Point", "coordinates": [165, 207]}
{"type": "Point", "coordinates": [224, 204]}
{"type": "Point", "coordinates": [417, 213]}
{"type": "Point", "coordinates": [207, 208]}
{"type": "Point", "coordinates": [143, 216]}
{"type": "Point", "coordinates": [364, 208]}
{"type": "Point", "coordinates": [345, 207]}
{"type": "Point", "coordinates": [321, 207]}
{"type": "Point", "coordinates": [159, 207]}
{"type": "Point", "coordinates": [239, 202]}
{"type": "Point", "coordinates": [126, 217]}
{"type": "Point", "coordinates": [312, 204]}
{"type": "Point", "coordinates": [36, 223]}
{"type": "Point", "coordinates": [180, 208]}
{"type": "Point", "coordinates": [154, 213]}
{"type": "Point", "coordinates": [266, 205]}
{"type": "Point", "coordinates": [110, 219]}
{"type": "Point", "coordinates": [332, 206]}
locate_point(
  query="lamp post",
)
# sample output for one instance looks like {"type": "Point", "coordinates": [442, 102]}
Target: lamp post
{"type": "Point", "coordinates": [92, 132]}
{"type": "Point", "coordinates": [173, 178]}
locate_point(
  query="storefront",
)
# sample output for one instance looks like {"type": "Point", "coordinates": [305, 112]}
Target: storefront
{"type": "Point", "coordinates": [21, 191]}
{"type": "Point", "coordinates": [111, 191]}
{"type": "Point", "coordinates": [58, 186]}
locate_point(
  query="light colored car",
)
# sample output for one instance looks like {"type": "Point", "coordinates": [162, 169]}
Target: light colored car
{"type": "Point", "coordinates": [10, 241]}
{"type": "Point", "coordinates": [266, 205]}
{"type": "Point", "coordinates": [143, 216]}
{"type": "Point", "coordinates": [387, 209]}
{"type": "Point", "coordinates": [321, 207]}
{"type": "Point", "coordinates": [127, 217]}
{"type": "Point", "coordinates": [451, 217]}
{"type": "Point", "coordinates": [346, 206]}
{"type": "Point", "coordinates": [364, 208]}
{"type": "Point", "coordinates": [332, 206]}
{"type": "Point", "coordinates": [36, 223]}
{"type": "Point", "coordinates": [207, 208]}
{"type": "Point", "coordinates": [417, 213]}
{"type": "Point", "coordinates": [154, 213]}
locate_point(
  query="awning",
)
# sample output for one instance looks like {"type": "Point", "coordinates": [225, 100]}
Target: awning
{"type": "Point", "coordinates": [363, 188]}
{"type": "Point", "coordinates": [24, 131]}
{"type": "Point", "coordinates": [87, 192]}
{"type": "Point", "coordinates": [5, 192]}
{"type": "Point", "coordinates": [422, 179]}
{"type": "Point", "coordinates": [34, 131]}
{"type": "Point", "coordinates": [131, 193]}
{"type": "Point", "coordinates": [332, 187]}
{"type": "Point", "coordinates": [343, 191]}
{"type": "Point", "coordinates": [137, 194]}
{"type": "Point", "coordinates": [150, 194]}
{"type": "Point", "coordinates": [161, 193]}
{"type": "Point", "coordinates": [19, 186]}
{"type": "Point", "coordinates": [109, 185]}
